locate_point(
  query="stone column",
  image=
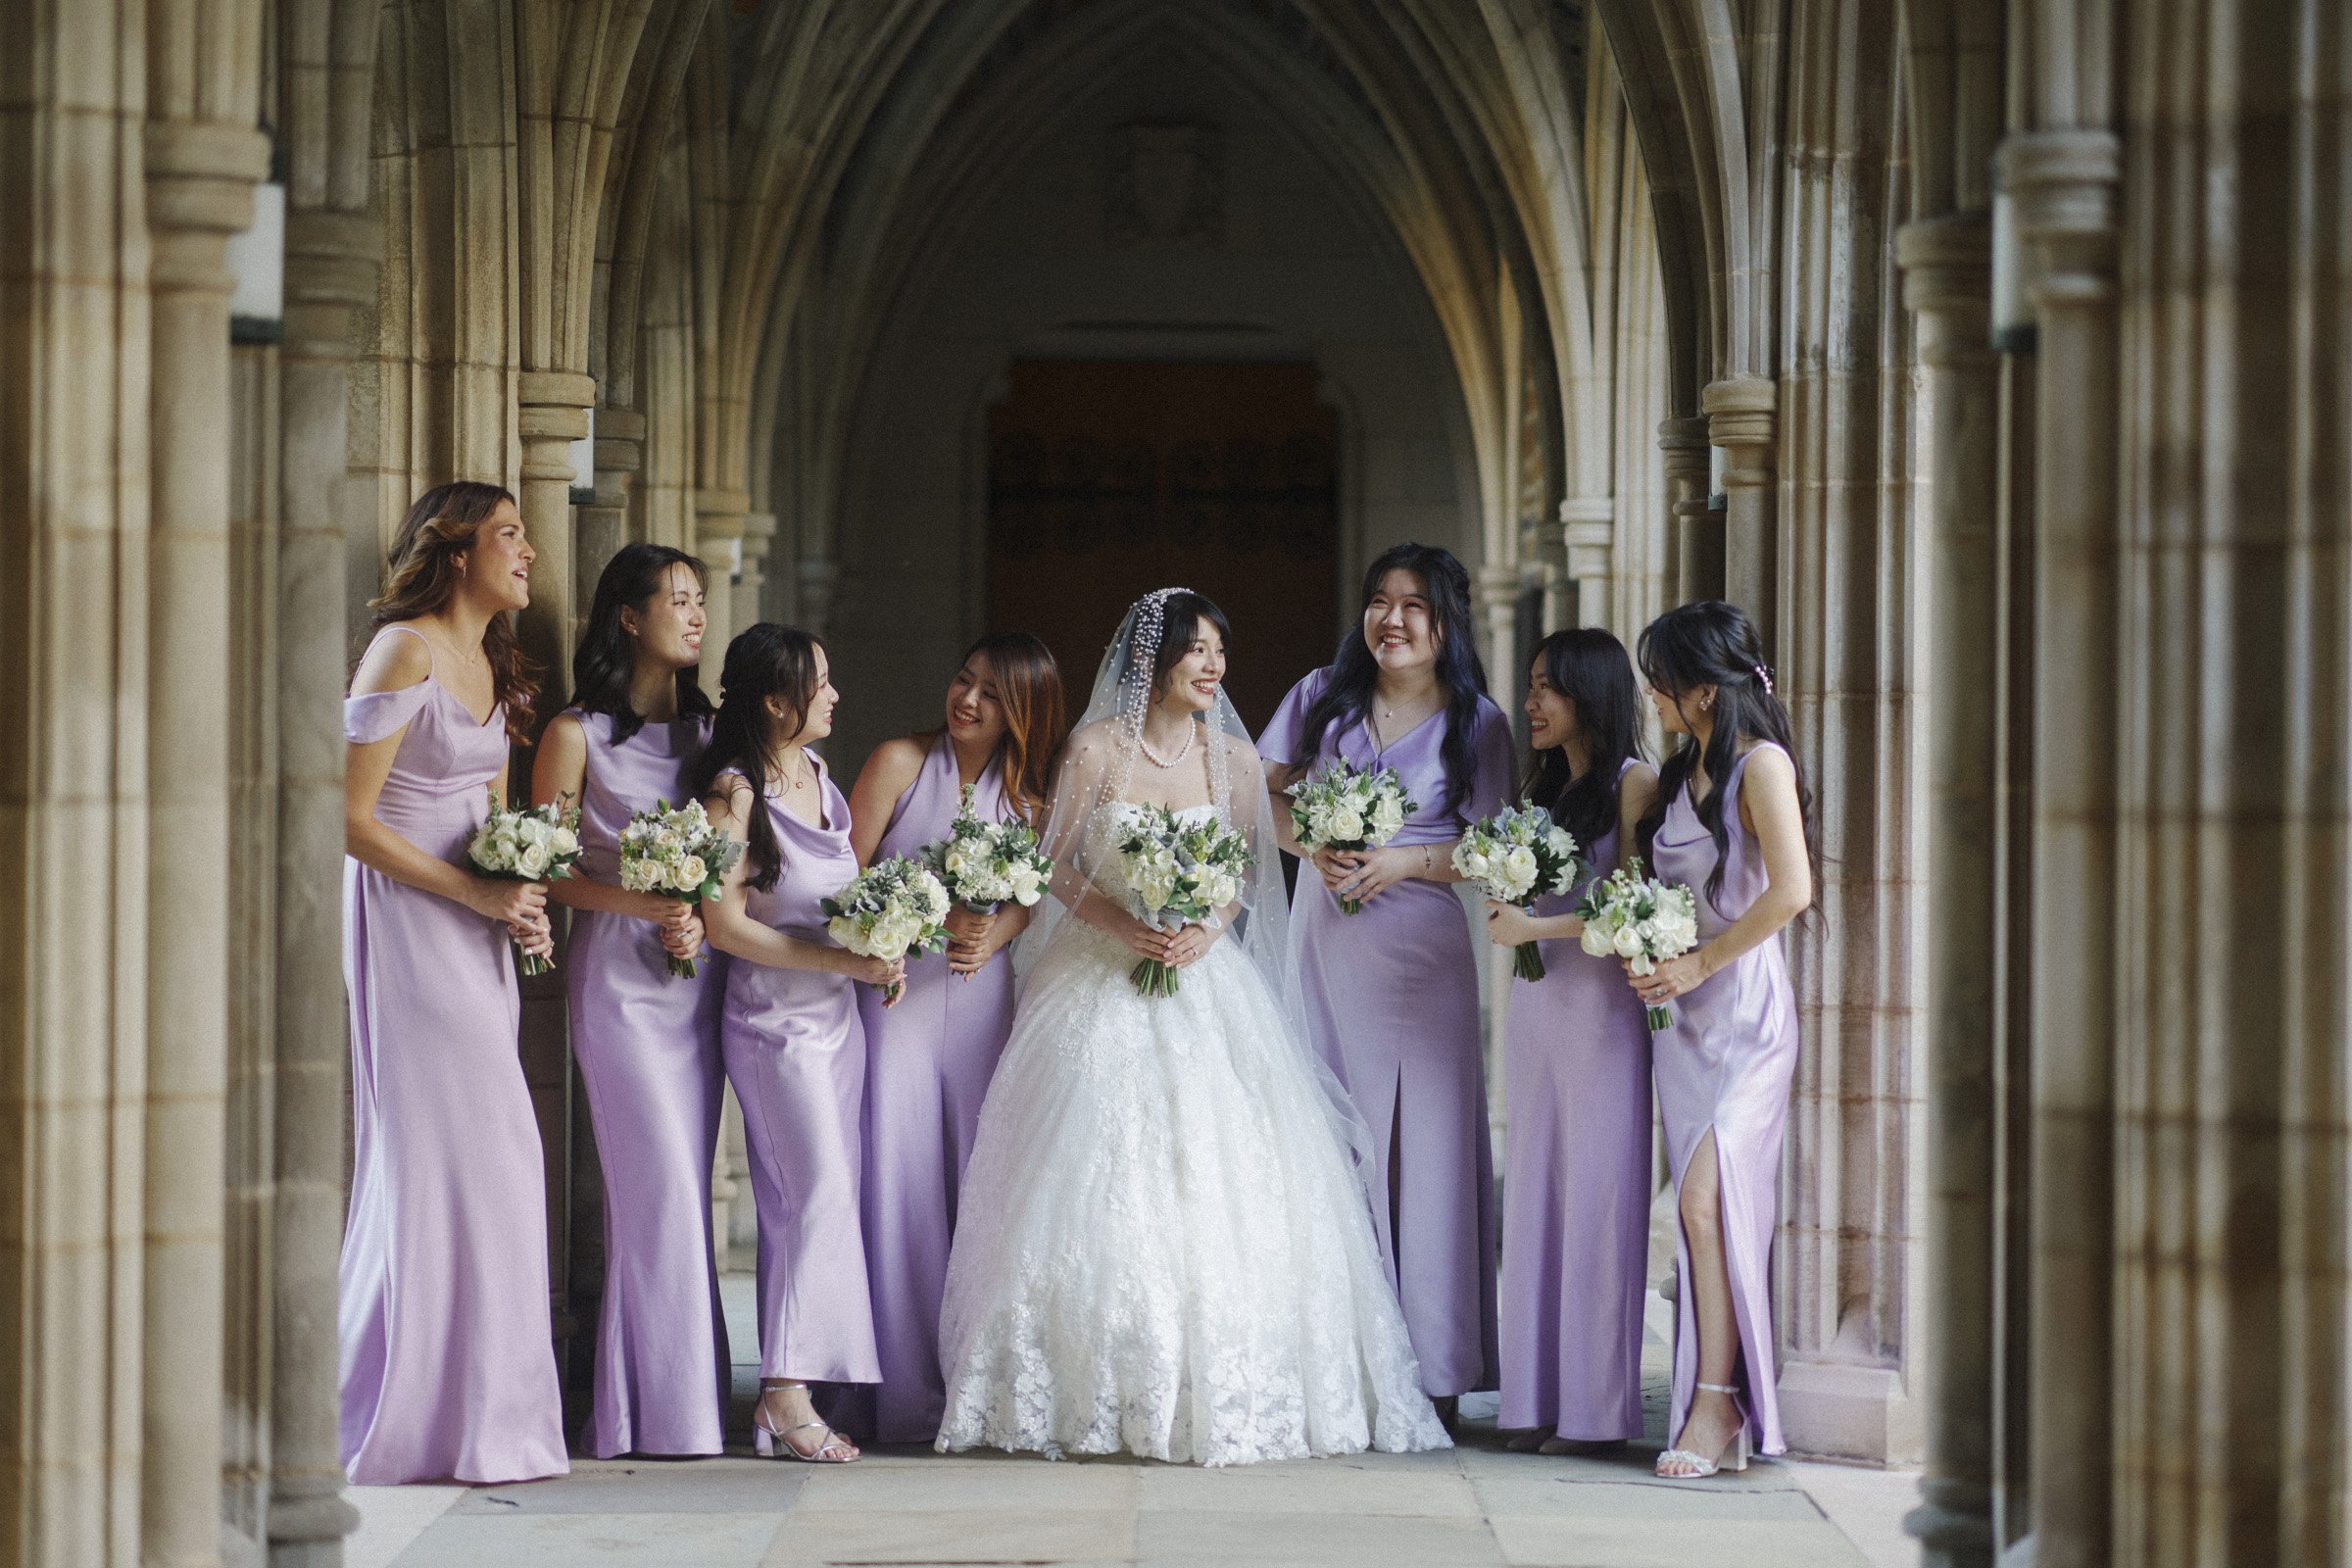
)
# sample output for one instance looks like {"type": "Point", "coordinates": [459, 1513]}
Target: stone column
{"type": "Point", "coordinates": [550, 413]}
{"type": "Point", "coordinates": [814, 577]}
{"type": "Point", "coordinates": [330, 272]}
{"type": "Point", "coordinates": [1693, 533]}
{"type": "Point", "coordinates": [1947, 281]}
{"type": "Point", "coordinates": [603, 527]}
{"type": "Point", "coordinates": [1588, 537]}
{"type": "Point", "coordinates": [718, 539]}
{"type": "Point", "coordinates": [751, 582]}
{"type": "Point", "coordinates": [200, 179]}
{"type": "Point", "coordinates": [2065, 185]}
{"type": "Point", "coordinates": [1742, 420]}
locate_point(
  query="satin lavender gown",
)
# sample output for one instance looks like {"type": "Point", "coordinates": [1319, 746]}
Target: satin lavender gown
{"type": "Point", "coordinates": [1727, 1062]}
{"type": "Point", "coordinates": [928, 1063]}
{"type": "Point", "coordinates": [1575, 1189]}
{"type": "Point", "coordinates": [796, 1055]}
{"type": "Point", "coordinates": [1392, 1000]}
{"type": "Point", "coordinates": [448, 1363]}
{"type": "Point", "coordinates": [646, 1042]}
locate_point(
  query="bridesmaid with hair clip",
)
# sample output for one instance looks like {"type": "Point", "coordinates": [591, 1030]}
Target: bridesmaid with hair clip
{"type": "Point", "coordinates": [1734, 822]}
{"type": "Point", "coordinates": [930, 1055]}
{"type": "Point", "coordinates": [448, 1362]}
{"type": "Point", "coordinates": [647, 1040]}
{"type": "Point", "coordinates": [1576, 1077]}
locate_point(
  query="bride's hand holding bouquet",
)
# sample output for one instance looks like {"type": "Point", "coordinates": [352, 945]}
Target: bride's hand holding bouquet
{"type": "Point", "coordinates": [1183, 876]}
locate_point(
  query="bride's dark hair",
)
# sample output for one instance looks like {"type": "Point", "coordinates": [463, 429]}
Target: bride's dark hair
{"type": "Point", "coordinates": [1180, 626]}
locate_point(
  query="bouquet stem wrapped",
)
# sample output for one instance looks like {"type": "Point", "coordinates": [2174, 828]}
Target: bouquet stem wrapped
{"type": "Point", "coordinates": [680, 853]}
{"type": "Point", "coordinates": [1180, 872]}
{"type": "Point", "coordinates": [887, 910]}
{"type": "Point", "coordinates": [1642, 920]}
{"type": "Point", "coordinates": [1343, 807]}
{"type": "Point", "coordinates": [537, 844]}
{"type": "Point", "coordinates": [1516, 857]}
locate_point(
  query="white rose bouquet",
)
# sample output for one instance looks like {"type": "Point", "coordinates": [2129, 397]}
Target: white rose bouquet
{"type": "Point", "coordinates": [889, 909]}
{"type": "Point", "coordinates": [1182, 873]}
{"type": "Point", "coordinates": [535, 844]}
{"type": "Point", "coordinates": [1518, 855]}
{"type": "Point", "coordinates": [987, 864]}
{"type": "Point", "coordinates": [1343, 807]}
{"type": "Point", "coordinates": [1640, 920]}
{"type": "Point", "coordinates": [680, 853]}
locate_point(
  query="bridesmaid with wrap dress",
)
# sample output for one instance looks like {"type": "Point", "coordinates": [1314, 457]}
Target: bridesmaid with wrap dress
{"type": "Point", "coordinates": [448, 1367]}
{"type": "Point", "coordinates": [1576, 1077]}
{"type": "Point", "coordinates": [1735, 824]}
{"type": "Point", "coordinates": [929, 1058]}
{"type": "Point", "coordinates": [794, 1043]}
{"type": "Point", "coordinates": [646, 1041]}
{"type": "Point", "coordinates": [1392, 992]}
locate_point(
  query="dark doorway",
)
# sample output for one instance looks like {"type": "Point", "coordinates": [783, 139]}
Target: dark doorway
{"type": "Point", "coordinates": [1109, 479]}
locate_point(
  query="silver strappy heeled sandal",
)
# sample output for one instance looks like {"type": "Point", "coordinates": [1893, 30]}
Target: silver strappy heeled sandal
{"type": "Point", "coordinates": [774, 1444]}
{"type": "Point", "coordinates": [1735, 1454]}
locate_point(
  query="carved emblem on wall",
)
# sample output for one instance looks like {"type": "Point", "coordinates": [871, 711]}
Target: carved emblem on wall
{"type": "Point", "coordinates": [1167, 188]}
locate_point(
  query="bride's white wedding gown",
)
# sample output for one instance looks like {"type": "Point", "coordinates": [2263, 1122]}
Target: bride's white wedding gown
{"type": "Point", "coordinates": [1162, 1246]}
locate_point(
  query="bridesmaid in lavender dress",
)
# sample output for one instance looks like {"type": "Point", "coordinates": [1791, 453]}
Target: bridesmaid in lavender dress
{"type": "Point", "coordinates": [1575, 1081]}
{"type": "Point", "coordinates": [448, 1366]}
{"type": "Point", "coordinates": [1735, 828]}
{"type": "Point", "coordinates": [646, 1041]}
{"type": "Point", "coordinates": [795, 1046]}
{"type": "Point", "coordinates": [1391, 993]}
{"type": "Point", "coordinates": [930, 1055]}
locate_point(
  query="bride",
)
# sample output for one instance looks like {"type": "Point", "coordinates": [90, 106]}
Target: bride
{"type": "Point", "coordinates": [1163, 1245]}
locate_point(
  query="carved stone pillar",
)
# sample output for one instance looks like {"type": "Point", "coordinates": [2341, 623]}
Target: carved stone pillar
{"type": "Point", "coordinates": [1695, 533]}
{"type": "Point", "coordinates": [718, 539]}
{"type": "Point", "coordinates": [1741, 418]}
{"type": "Point", "coordinates": [1947, 281]}
{"type": "Point", "coordinates": [550, 413]}
{"type": "Point", "coordinates": [1588, 540]}
{"type": "Point", "coordinates": [2065, 183]}
{"type": "Point", "coordinates": [751, 582]}
{"type": "Point", "coordinates": [603, 527]}
{"type": "Point", "coordinates": [200, 179]}
{"type": "Point", "coordinates": [814, 577]}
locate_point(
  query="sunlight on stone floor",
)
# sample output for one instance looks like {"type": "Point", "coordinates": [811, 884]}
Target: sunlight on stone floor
{"type": "Point", "coordinates": [1479, 1504]}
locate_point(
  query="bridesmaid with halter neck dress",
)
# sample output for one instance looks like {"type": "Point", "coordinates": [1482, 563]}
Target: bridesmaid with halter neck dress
{"type": "Point", "coordinates": [646, 1039]}
{"type": "Point", "coordinates": [930, 1057]}
{"type": "Point", "coordinates": [448, 1366]}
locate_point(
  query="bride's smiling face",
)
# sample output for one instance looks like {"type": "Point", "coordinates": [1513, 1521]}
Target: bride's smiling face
{"type": "Point", "coordinates": [1191, 685]}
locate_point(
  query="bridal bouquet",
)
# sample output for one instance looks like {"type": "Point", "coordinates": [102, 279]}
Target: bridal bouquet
{"type": "Point", "coordinates": [678, 853]}
{"type": "Point", "coordinates": [1518, 855]}
{"type": "Point", "coordinates": [986, 864]}
{"type": "Point", "coordinates": [536, 843]}
{"type": "Point", "coordinates": [1182, 873]}
{"type": "Point", "coordinates": [1343, 807]}
{"type": "Point", "coordinates": [1642, 919]}
{"type": "Point", "coordinates": [889, 909]}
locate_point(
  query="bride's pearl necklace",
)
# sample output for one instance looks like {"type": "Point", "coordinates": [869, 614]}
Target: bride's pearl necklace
{"type": "Point", "coordinates": [1158, 761]}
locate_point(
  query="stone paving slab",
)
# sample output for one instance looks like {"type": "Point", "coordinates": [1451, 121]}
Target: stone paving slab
{"type": "Point", "coordinates": [952, 1535]}
{"type": "Point", "coordinates": [602, 1541]}
{"type": "Point", "coordinates": [648, 1486]}
{"type": "Point", "coordinates": [1555, 1541]}
{"type": "Point", "coordinates": [1293, 1540]}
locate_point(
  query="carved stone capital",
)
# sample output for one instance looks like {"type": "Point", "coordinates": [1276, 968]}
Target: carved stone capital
{"type": "Point", "coordinates": [200, 175]}
{"type": "Point", "coordinates": [1948, 278]}
{"type": "Point", "coordinates": [333, 258]}
{"type": "Point", "coordinates": [718, 513]}
{"type": "Point", "coordinates": [1685, 444]}
{"type": "Point", "coordinates": [556, 389]}
{"type": "Point", "coordinates": [2065, 185]}
{"type": "Point", "coordinates": [1743, 418]}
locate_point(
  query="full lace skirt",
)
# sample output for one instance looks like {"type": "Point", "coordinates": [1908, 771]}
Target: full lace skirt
{"type": "Point", "coordinates": [1164, 1246]}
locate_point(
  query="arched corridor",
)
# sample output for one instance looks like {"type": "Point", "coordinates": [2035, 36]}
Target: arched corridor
{"type": "Point", "coordinates": [1990, 355]}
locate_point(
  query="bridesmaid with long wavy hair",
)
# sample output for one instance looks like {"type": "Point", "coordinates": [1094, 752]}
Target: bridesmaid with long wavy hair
{"type": "Point", "coordinates": [930, 1057]}
{"type": "Point", "coordinates": [448, 1364]}
{"type": "Point", "coordinates": [646, 1041]}
{"type": "Point", "coordinates": [1392, 992]}
{"type": "Point", "coordinates": [794, 1045]}
{"type": "Point", "coordinates": [1576, 1077]}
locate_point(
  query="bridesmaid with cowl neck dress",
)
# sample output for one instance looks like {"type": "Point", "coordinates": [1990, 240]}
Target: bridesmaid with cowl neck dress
{"type": "Point", "coordinates": [794, 1043]}
{"type": "Point", "coordinates": [448, 1364]}
{"type": "Point", "coordinates": [1575, 1081]}
{"type": "Point", "coordinates": [647, 1040]}
{"type": "Point", "coordinates": [930, 1055]}
{"type": "Point", "coordinates": [1735, 824]}
{"type": "Point", "coordinates": [1392, 992]}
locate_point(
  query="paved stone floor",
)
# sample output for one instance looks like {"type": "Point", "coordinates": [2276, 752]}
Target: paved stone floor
{"type": "Point", "coordinates": [1478, 1505]}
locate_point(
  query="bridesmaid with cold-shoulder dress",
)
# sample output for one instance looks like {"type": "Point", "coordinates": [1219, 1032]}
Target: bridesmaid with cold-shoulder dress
{"type": "Point", "coordinates": [1575, 1081]}
{"type": "Point", "coordinates": [1392, 992]}
{"type": "Point", "coordinates": [929, 1057]}
{"type": "Point", "coordinates": [448, 1367]}
{"type": "Point", "coordinates": [1735, 826]}
{"type": "Point", "coordinates": [647, 1040]}
{"type": "Point", "coordinates": [794, 1045]}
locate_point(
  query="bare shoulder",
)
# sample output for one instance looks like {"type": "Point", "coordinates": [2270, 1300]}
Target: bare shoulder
{"type": "Point", "coordinates": [1240, 752]}
{"type": "Point", "coordinates": [1769, 766]}
{"type": "Point", "coordinates": [895, 763]}
{"type": "Point", "coordinates": [1640, 785]}
{"type": "Point", "coordinates": [566, 730]}
{"type": "Point", "coordinates": [396, 660]}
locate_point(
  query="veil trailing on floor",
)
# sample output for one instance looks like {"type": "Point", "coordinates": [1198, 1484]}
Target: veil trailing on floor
{"type": "Point", "coordinates": [1098, 763]}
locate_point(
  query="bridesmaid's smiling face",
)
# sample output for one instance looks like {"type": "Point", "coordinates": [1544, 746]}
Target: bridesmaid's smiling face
{"type": "Point", "coordinates": [817, 722]}
{"type": "Point", "coordinates": [497, 566]}
{"type": "Point", "coordinates": [1397, 625]}
{"type": "Point", "coordinates": [1550, 716]}
{"type": "Point", "coordinates": [975, 714]}
{"type": "Point", "coordinates": [668, 630]}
